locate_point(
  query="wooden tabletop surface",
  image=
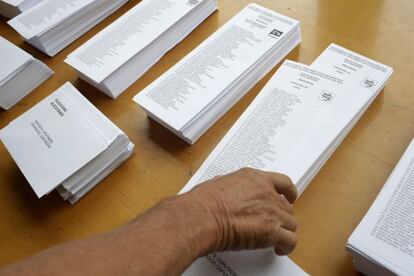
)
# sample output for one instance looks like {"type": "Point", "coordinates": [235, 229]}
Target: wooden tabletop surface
{"type": "Point", "coordinates": [328, 210]}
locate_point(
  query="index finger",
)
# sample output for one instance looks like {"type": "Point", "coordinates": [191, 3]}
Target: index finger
{"type": "Point", "coordinates": [283, 185]}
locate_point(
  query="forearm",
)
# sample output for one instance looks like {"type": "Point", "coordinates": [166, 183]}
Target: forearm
{"type": "Point", "coordinates": [247, 209]}
{"type": "Point", "coordinates": [164, 241]}
{"type": "Point", "coordinates": [171, 236]}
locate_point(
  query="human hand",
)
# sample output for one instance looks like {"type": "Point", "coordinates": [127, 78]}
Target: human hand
{"type": "Point", "coordinates": [251, 209]}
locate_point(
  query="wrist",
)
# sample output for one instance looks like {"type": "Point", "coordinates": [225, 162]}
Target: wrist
{"type": "Point", "coordinates": [175, 232]}
{"type": "Point", "coordinates": [195, 221]}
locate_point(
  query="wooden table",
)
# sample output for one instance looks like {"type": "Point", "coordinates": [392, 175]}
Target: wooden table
{"type": "Point", "coordinates": [329, 209]}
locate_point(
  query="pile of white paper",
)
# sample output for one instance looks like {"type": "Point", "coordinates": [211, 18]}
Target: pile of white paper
{"type": "Point", "coordinates": [292, 127]}
{"type": "Point", "coordinates": [383, 242]}
{"type": "Point", "coordinates": [11, 8]}
{"type": "Point", "coordinates": [65, 143]}
{"type": "Point", "coordinates": [120, 54]}
{"type": "Point", "coordinates": [190, 97]}
{"type": "Point", "coordinates": [20, 73]}
{"type": "Point", "coordinates": [53, 24]}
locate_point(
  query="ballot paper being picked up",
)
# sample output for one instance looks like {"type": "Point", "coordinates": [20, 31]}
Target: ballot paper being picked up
{"type": "Point", "coordinates": [65, 143]}
{"type": "Point", "coordinates": [11, 8]}
{"type": "Point", "coordinates": [20, 73]}
{"type": "Point", "coordinates": [383, 242]}
{"type": "Point", "coordinates": [190, 97]}
{"type": "Point", "coordinates": [52, 25]}
{"type": "Point", "coordinates": [292, 127]}
{"type": "Point", "coordinates": [120, 54]}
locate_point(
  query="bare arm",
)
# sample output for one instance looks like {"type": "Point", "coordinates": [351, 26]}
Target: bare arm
{"type": "Point", "coordinates": [248, 209]}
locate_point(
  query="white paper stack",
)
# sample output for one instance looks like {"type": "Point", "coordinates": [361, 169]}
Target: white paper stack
{"type": "Point", "coordinates": [120, 54]}
{"type": "Point", "coordinates": [11, 8]}
{"type": "Point", "coordinates": [190, 97]}
{"type": "Point", "coordinates": [20, 73]}
{"type": "Point", "coordinates": [292, 127]}
{"type": "Point", "coordinates": [65, 143]}
{"type": "Point", "coordinates": [363, 80]}
{"type": "Point", "coordinates": [383, 242]}
{"type": "Point", "coordinates": [52, 25]}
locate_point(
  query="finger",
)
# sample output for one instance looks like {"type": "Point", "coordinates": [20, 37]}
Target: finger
{"type": "Point", "coordinates": [286, 242]}
{"type": "Point", "coordinates": [283, 185]}
{"type": "Point", "coordinates": [288, 221]}
{"type": "Point", "coordinates": [284, 204]}
{"type": "Point", "coordinates": [280, 252]}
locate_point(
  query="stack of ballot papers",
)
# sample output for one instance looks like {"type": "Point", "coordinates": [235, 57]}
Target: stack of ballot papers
{"type": "Point", "coordinates": [120, 54]}
{"type": "Point", "coordinates": [292, 127]}
{"type": "Point", "coordinates": [383, 242]}
{"type": "Point", "coordinates": [20, 73]}
{"type": "Point", "coordinates": [65, 143]}
{"type": "Point", "coordinates": [11, 8]}
{"type": "Point", "coordinates": [190, 97]}
{"type": "Point", "coordinates": [52, 25]}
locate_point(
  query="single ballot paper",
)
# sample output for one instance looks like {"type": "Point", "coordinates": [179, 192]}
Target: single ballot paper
{"type": "Point", "coordinates": [52, 25]}
{"type": "Point", "coordinates": [190, 97]}
{"type": "Point", "coordinates": [121, 53]}
{"type": "Point", "coordinates": [65, 143]}
{"type": "Point", "coordinates": [20, 74]}
{"type": "Point", "coordinates": [383, 242]}
{"type": "Point", "coordinates": [12, 8]}
{"type": "Point", "coordinates": [269, 133]}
